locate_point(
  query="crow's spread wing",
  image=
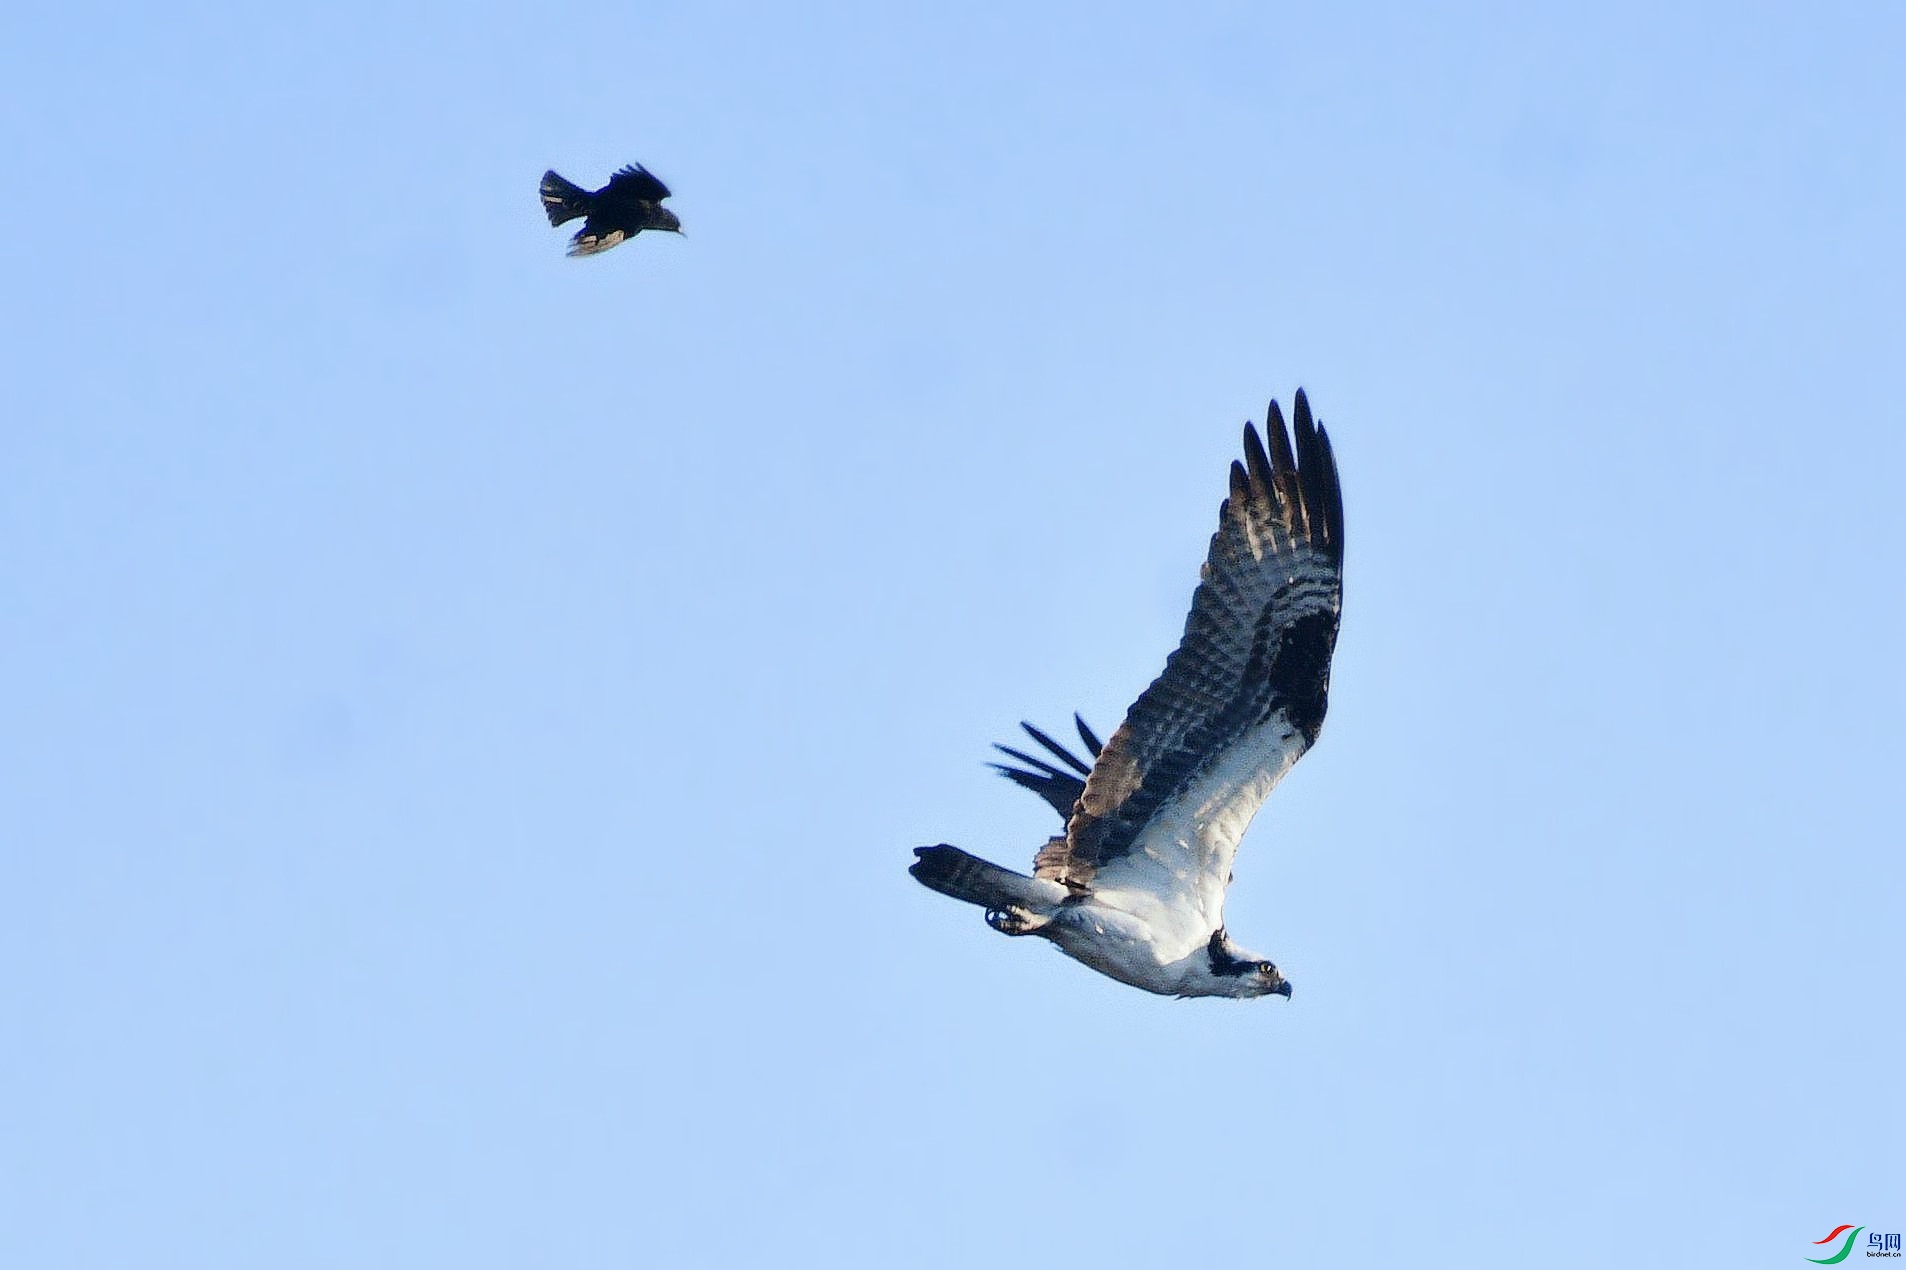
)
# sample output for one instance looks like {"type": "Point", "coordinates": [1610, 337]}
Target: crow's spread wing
{"type": "Point", "coordinates": [636, 181]}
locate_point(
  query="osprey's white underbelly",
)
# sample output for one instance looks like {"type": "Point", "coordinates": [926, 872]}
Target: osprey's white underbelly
{"type": "Point", "coordinates": [1124, 946]}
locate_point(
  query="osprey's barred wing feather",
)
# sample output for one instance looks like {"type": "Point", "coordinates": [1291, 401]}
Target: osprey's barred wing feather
{"type": "Point", "coordinates": [1256, 650]}
{"type": "Point", "coordinates": [1058, 787]}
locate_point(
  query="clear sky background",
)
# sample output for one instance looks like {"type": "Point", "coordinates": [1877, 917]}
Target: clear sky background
{"type": "Point", "coordinates": [465, 713]}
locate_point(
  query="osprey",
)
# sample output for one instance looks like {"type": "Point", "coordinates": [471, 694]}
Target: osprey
{"type": "Point", "coordinates": [1134, 887]}
{"type": "Point", "coordinates": [630, 203]}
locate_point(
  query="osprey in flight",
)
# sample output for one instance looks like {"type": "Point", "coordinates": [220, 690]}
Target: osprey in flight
{"type": "Point", "coordinates": [630, 203]}
{"type": "Point", "coordinates": [1134, 887]}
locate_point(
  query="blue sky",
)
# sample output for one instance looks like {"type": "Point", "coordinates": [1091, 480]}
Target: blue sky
{"type": "Point", "coordinates": [468, 711]}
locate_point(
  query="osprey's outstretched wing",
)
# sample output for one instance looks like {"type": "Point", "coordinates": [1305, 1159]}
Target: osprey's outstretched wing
{"type": "Point", "coordinates": [636, 181]}
{"type": "Point", "coordinates": [1239, 701]}
{"type": "Point", "coordinates": [1057, 786]}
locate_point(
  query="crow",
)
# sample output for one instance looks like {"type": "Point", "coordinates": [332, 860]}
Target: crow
{"type": "Point", "coordinates": [630, 203]}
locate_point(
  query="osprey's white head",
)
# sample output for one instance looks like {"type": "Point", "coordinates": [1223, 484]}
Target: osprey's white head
{"type": "Point", "coordinates": [1238, 973]}
{"type": "Point", "coordinates": [1263, 980]}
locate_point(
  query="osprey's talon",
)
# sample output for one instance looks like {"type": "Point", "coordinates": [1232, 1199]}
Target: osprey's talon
{"type": "Point", "coordinates": [1010, 921]}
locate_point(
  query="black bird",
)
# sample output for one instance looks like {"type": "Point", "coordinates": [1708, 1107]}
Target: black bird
{"type": "Point", "coordinates": [630, 203]}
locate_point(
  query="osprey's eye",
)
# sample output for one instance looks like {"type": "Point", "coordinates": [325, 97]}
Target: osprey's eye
{"type": "Point", "coordinates": [1266, 968]}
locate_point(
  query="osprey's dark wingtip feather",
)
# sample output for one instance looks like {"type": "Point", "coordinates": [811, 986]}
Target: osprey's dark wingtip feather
{"type": "Point", "coordinates": [1037, 764]}
{"type": "Point", "coordinates": [1060, 788]}
{"type": "Point", "coordinates": [1317, 472]}
{"type": "Point", "coordinates": [1284, 491]}
{"type": "Point", "coordinates": [1258, 464]}
{"type": "Point", "coordinates": [1280, 438]}
{"type": "Point", "coordinates": [1059, 751]}
{"type": "Point", "coordinates": [1240, 487]}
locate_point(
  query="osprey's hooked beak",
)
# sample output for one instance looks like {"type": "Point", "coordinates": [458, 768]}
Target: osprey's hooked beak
{"type": "Point", "coordinates": [1283, 989]}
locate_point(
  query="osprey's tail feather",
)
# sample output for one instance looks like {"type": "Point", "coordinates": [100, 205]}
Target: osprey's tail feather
{"type": "Point", "coordinates": [564, 200]}
{"type": "Point", "coordinates": [951, 871]}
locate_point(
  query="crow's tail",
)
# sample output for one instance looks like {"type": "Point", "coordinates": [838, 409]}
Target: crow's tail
{"type": "Point", "coordinates": [564, 200]}
{"type": "Point", "coordinates": [951, 871]}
